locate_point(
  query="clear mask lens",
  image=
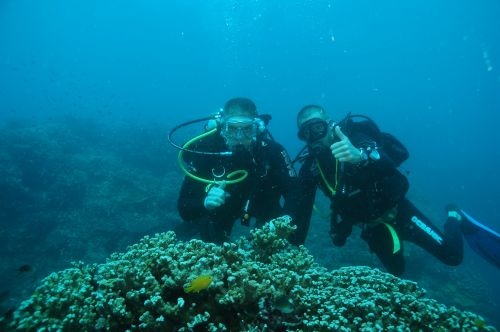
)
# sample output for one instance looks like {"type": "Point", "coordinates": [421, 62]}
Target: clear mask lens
{"type": "Point", "coordinates": [314, 130]}
{"type": "Point", "coordinates": [239, 130]}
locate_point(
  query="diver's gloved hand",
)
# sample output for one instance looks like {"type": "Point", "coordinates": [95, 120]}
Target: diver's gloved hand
{"type": "Point", "coordinates": [337, 240]}
{"type": "Point", "coordinates": [343, 150]}
{"type": "Point", "coordinates": [340, 233]}
{"type": "Point", "coordinates": [216, 197]}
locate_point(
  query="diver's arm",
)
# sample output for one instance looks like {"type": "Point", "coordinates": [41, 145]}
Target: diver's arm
{"type": "Point", "coordinates": [301, 210]}
{"type": "Point", "coordinates": [298, 195]}
{"type": "Point", "coordinates": [340, 230]}
{"type": "Point", "coordinates": [284, 175]}
{"type": "Point", "coordinates": [299, 203]}
{"type": "Point", "coordinates": [190, 203]}
{"type": "Point", "coordinates": [369, 155]}
{"type": "Point", "coordinates": [194, 202]}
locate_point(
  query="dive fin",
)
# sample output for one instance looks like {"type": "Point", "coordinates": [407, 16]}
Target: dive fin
{"type": "Point", "coordinates": [482, 239]}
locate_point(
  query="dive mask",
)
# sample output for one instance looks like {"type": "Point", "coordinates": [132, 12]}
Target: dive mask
{"type": "Point", "coordinates": [239, 130]}
{"type": "Point", "coordinates": [313, 130]}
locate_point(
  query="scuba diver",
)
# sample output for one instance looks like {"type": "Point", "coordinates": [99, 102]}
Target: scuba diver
{"type": "Point", "coordinates": [356, 167]}
{"type": "Point", "coordinates": [235, 170]}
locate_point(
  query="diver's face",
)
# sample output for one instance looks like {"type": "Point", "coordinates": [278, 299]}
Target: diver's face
{"type": "Point", "coordinates": [239, 131]}
{"type": "Point", "coordinates": [313, 130]}
{"type": "Point", "coordinates": [317, 134]}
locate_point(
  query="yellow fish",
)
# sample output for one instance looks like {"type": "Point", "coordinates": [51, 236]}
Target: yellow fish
{"type": "Point", "coordinates": [198, 284]}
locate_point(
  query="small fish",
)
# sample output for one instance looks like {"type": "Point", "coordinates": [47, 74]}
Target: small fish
{"type": "Point", "coordinates": [25, 268]}
{"type": "Point", "coordinates": [198, 284]}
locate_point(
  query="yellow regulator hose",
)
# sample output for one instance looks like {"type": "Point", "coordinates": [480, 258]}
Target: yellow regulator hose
{"type": "Point", "coordinates": [239, 174]}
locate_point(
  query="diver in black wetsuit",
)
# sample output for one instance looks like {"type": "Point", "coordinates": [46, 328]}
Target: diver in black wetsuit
{"type": "Point", "coordinates": [245, 148]}
{"type": "Point", "coordinates": [365, 187]}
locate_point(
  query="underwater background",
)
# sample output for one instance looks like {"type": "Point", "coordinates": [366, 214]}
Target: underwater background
{"type": "Point", "coordinates": [90, 89]}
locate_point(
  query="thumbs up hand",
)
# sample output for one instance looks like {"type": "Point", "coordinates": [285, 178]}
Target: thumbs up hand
{"type": "Point", "coordinates": [343, 150]}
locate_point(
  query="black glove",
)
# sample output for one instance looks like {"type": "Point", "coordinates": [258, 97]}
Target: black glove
{"type": "Point", "coordinates": [338, 241]}
{"type": "Point", "coordinates": [340, 233]}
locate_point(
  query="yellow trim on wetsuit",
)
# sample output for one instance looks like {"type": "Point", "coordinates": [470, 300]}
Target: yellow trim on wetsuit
{"type": "Point", "coordinates": [395, 238]}
{"type": "Point", "coordinates": [385, 220]}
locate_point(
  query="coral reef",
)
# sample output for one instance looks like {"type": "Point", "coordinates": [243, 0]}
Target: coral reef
{"type": "Point", "coordinates": [78, 189]}
{"type": "Point", "coordinates": [259, 283]}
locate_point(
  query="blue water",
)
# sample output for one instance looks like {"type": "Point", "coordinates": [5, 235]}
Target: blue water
{"type": "Point", "coordinates": [427, 71]}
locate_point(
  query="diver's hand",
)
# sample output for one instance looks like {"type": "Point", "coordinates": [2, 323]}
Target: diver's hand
{"type": "Point", "coordinates": [337, 240]}
{"type": "Point", "coordinates": [341, 231]}
{"type": "Point", "coordinates": [216, 197]}
{"type": "Point", "coordinates": [343, 150]}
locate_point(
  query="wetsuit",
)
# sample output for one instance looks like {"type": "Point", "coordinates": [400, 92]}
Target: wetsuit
{"type": "Point", "coordinates": [372, 195]}
{"type": "Point", "coordinates": [270, 178]}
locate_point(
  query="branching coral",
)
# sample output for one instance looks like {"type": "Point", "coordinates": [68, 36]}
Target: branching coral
{"type": "Point", "coordinates": [258, 283]}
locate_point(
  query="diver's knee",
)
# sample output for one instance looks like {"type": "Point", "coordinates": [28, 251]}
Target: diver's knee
{"type": "Point", "coordinates": [396, 271]}
{"type": "Point", "coordinates": [395, 268]}
{"type": "Point", "coordinates": [454, 259]}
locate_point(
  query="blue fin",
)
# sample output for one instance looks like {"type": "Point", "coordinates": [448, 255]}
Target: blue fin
{"type": "Point", "coordinates": [482, 239]}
